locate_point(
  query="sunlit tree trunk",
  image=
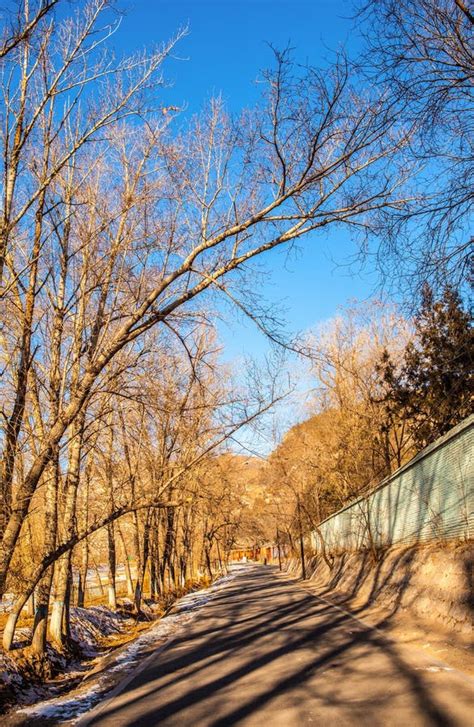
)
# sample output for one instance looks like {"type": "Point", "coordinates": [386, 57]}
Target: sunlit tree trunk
{"type": "Point", "coordinates": [63, 567]}
{"type": "Point", "coordinates": [126, 558]}
{"type": "Point", "coordinates": [14, 422]}
{"type": "Point", "coordinates": [143, 564]}
{"type": "Point", "coordinates": [43, 591]}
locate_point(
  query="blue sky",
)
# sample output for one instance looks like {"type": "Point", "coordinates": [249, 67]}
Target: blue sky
{"type": "Point", "coordinates": [228, 40]}
{"type": "Point", "coordinates": [226, 47]}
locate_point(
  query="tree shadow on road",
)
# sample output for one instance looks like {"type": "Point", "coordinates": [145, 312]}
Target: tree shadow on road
{"type": "Point", "coordinates": [255, 627]}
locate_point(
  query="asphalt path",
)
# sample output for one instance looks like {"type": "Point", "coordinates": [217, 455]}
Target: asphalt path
{"type": "Point", "coordinates": [265, 652]}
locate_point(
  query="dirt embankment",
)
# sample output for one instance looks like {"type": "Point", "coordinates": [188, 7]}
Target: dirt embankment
{"type": "Point", "coordinates": [420, 593]}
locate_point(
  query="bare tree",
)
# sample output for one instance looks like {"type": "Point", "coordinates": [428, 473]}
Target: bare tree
{"type": "Point", "coordinates": [421, 51]}
{"type": "Point", "coordinates": [40, 139]}
{"type": "Point", "coordinates": [23, 26]}
{"type": "Point", "coordinates": [124, 230]}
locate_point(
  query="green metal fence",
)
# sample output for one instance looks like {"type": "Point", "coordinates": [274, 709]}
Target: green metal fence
{"type": "Point", "coordinates": [430, 498]}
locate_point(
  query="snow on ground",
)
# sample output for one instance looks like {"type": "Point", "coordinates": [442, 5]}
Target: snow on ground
{"type": "Point", "coordinates": [75, 704]}
{"type": "Point", "coordinates": [7, 602]}
{"type": "Point", "coordinates": [88, 625]}
{"type": "Point", "coordinates": [63, 708]}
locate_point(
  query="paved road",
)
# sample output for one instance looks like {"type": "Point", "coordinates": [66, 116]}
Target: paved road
{"type": "Point", "coordinates": [264, 652]}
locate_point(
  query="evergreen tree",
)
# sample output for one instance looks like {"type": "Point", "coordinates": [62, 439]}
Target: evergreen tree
{"type": "Point", "coordinates": [434, 388]}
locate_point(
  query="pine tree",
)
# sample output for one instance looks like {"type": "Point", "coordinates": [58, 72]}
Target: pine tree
{"type": "Point", "coordinates": [434, 388]}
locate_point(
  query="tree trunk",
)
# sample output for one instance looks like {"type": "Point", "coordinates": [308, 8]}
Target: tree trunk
{"type": "Point", "coordinates": [156, 554]}
{"type": "Point", "coordinates": [82, 582]}
{"type": "Point", "coordinates": [221, 564]}
{"type": "Point", "coordinates": [300, 528]}
{"type": "Point", "coordinates": [128, 572]}
{"type": "Point", "coordinates": [30, 605]}
{"type": "Point", "coordinates": [111, 573]}
{"type": "Point", "coordinates": [167, 560]}
{"type": "Point", "coordinates": [80, 591]}
{"type": "Point", "coordinates": [67, 609]}
{"type": "Point", "coordinates": [63, 566]}
{"type": "Point", "coordinates": [143, 563]}
{"type": "Point", "coordinates": [13, 616]}
{"type": "Point", "coordinates": [137, 588]}
{"type": "Point", "coordinates": [329, 560]}
{"type": "Point", "coordinates": [208, 563]}
{"type": "Point", "coordinates": [14, 422]}
{"type": "Point", "coordinates": [59, 604]}
{"type": "Point", "coordinates": [38, 643]}
{"type": "Point", "coordinates": [153, 579]}
{"type": "Point", "coordinates": [99, 579]}
{"type": "Point", "coordinates": [40, 627]}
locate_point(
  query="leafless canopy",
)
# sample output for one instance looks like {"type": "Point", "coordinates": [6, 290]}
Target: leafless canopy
{"type": "Point", "coordinates": [421, 51]}
{"type": "Point", "coordinates": [119, 225]}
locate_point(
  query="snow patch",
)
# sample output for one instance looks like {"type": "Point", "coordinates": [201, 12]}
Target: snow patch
{"type": "Point", "coordinates": [66, 707]}
{"type": "Point", "coordinates": [73, 706]}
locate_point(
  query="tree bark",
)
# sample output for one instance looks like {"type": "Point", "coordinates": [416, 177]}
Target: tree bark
{"type": "Point", "coordinates": [38, 643]}
{"type": "Point", "coordinates": [128, 572]}
{"type": "Point", "coordinates": [63, 567]}
{"type": "Point", "coordinates": [83, 570]}
{"type": "Point", "coordinates": [15, 420]}
{"type": "Point", "coordinates": [111, 572]}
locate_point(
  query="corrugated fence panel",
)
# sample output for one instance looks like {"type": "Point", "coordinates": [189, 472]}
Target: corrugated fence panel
{"type": "Point", "coordinates": [430, 498]}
